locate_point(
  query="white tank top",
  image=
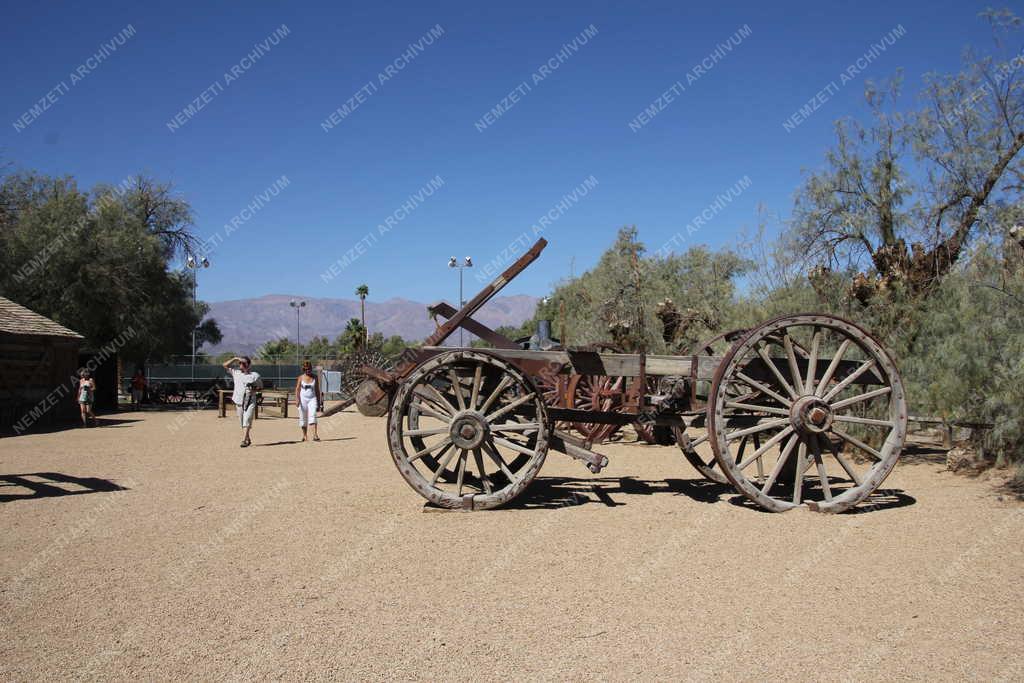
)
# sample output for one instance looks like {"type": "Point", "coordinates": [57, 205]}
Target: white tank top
{"type": "Point", "coordinates": [307, 390]}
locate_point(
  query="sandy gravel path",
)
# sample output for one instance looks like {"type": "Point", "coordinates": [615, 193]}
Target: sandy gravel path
{"type": "Point", "coordinates": [316, 561]}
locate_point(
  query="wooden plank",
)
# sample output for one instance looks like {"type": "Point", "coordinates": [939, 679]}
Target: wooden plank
{"type": "Point", "coordinates": [611, 364]}
{"type": "Point", "coordinates": [473, 327]}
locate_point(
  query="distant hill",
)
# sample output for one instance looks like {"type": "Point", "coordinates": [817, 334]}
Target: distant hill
{"type": "Point", "coordinates": [248, 323]}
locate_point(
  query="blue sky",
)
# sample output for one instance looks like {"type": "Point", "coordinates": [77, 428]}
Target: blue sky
{"type": "Point", "coordinates": [419, 123]}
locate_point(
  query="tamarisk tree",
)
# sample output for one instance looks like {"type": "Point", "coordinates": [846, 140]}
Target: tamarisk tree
{"type": "Point", "coordinates": [902, 196]}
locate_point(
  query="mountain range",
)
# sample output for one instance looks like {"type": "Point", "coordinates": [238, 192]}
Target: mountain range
{"type": "Point", "coordinates": [248, 323]}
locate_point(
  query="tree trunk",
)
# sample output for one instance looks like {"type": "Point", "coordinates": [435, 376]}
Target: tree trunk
{"type": "Point", "coordinates": [362, 317]}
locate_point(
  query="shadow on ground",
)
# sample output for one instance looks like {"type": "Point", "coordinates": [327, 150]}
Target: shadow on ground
{"type": "Point", "coordinates": [50, 485]}
{"type": "Point", "coordinates": [102, 420]}
{"type": "Point", "coordinates": [914, 454]}
{"type": "Point", "coordinates": [559, 492]}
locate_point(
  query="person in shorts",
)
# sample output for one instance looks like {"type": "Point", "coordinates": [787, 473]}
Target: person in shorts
{"type": "Point", "coordinates": [246, 384]}
{"type": "Point", "coordinates": [86, 396]}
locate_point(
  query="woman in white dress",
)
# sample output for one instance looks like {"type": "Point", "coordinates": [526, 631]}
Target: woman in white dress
{"type": "Point", "coordinates": [308, 398]}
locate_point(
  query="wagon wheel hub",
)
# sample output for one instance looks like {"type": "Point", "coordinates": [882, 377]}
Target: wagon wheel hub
{"type": "Point", "coordinates": [811, 415]}
{"type": "Point", "coordinates": [469, 429]}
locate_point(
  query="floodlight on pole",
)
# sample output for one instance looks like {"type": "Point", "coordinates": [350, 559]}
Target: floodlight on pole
{"type": "Point", "coordinates": [466, 263]}
{"type": "Point", "coordinates": [192, 264]}
{"type": "Point", "coordinates": [298, 306]}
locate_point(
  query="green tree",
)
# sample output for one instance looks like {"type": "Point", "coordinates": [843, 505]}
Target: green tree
{"type": "Point", "coordinates": [98, 262]}
{"type": "Point", "coordinates": [352, 338]}
{"type": "Point", "coordinates": [277, 351]}
{"type": "Point", "coordinates": [633, 300]}
{"type": "Point", "coordinates": [318, 348]}
{"type": "Point", "coordinates": [903, 194]}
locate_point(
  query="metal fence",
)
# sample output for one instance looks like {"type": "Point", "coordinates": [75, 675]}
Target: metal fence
{"type": "Point", "coordinates": [276, 376]}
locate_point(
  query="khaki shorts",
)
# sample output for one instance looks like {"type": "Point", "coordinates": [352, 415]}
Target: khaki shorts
{"type": "Point", "coordinates": [245, 417]}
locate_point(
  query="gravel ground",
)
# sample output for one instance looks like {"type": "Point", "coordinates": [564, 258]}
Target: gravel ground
{"type": "Point", "coordinates": [316, 560]}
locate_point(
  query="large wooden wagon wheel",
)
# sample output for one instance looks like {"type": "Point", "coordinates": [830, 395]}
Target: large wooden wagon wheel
{"type": "Point", "coordinates": [829, 424]}
{"type": "Point", "coordinates": [468, 430]}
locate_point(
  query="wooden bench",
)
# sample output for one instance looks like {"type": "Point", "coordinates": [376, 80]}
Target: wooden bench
{"type": "Point", "coordinates": [276, 398]}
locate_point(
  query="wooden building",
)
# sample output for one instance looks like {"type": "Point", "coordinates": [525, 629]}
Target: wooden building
{"type": "Point", "coordinates": [38, 363]}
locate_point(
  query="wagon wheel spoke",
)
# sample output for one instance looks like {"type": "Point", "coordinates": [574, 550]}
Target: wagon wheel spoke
{"type": "Point", "coordinates": [479, 459]}
{"type": "Point", "coordinates": [775, 371]}
{"type": "Point", "coordinates": [794, 369]}
{"type": "Point", "coordinates": [759, 453]}
{"type": "Point", "coordinates": [832, 367]}
{"type": "Point", "coordinates": [760, 461]}
{"type": "Point", "coordinates": [812, 362]}
{"type": "Point", "coordinates": [426, 432]}
{"type": "Point", "coordinates": [764, 389]}
{"type": "Point", "coordinates": [516, 427]}
{"type": "Point", "coordinates": [864, 367]}
{"type": "Point", "coordinates": [764, 426]}
{"type": "Point", "coordinates": [853, 419]}
{"type": "Point", "coordinates": [477, 380]}
{"type": "Point", "coordinates": [456, 383]}
{"type": "Point", "coordinates": [861, 397]}
{"type": "Point", "coordinates": [427, 410]}
{"type": "Point", "coordinates": [502, 386]}
{"type": "Point", "coordinates": [446, 442]}
{"type": "Point", "coordinates": [822, 473]}
{"type": "Point", "coordinates": [443, 464]}
{"type": "Point", "coordinates": [493, 454]}
{"type": "Point", "coordinates": [461, 473]}
{"type": "Point", "coordinates": [752, 407]}
{"type": "Point", "coordinates": [509, 406]}
{"type": "Point", "coordinates": [846, 466]}
{"type": "Point", "coordinates": [854, 441]}
{"type": "Point", "coordinates": [429, 393]}
{"type": "Point", "coordinates": [512, 445]}
{"type": "Point", "coordinates": [779, 464]}
{"type": "Point", "coordinates": [801, 467]}
{"type": "Point", "coordinates": [742, 447]}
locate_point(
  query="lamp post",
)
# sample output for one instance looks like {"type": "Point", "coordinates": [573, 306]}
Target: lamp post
{"type": "Point", "coordinates": [192, 263]}
{"type": "Point", "coordinates": [297, 305]}
{"type": "Point", "coordinates": [466, 263]}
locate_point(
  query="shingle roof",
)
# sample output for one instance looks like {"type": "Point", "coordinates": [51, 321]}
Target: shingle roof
{"type": "Point", "coordinates": [16, 319]}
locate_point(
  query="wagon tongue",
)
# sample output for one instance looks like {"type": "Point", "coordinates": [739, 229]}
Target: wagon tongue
{"type": "Point", "coordinates": [575, 448]}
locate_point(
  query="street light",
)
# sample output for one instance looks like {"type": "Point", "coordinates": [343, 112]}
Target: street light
{"type": "Point", "coordinates": [297, 305]}
{"type": "Point", "coordinates": [195, 265]}
{"type": "Point", "coordinates": [466, 263]}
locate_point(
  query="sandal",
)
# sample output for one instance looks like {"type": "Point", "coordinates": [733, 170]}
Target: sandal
{"type": "Point", "coordinates": [245, 442]}
{"type": "Point", "coordinates": [316, 438]}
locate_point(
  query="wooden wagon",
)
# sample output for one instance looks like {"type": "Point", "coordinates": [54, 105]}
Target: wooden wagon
{"type": "Point", "coordinates": [803, 410]}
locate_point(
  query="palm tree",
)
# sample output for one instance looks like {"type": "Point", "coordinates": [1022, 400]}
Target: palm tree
{"type": "Point", "coordinates": [355, 333]}
{"type": "Point", "coordinates": [362, 291]}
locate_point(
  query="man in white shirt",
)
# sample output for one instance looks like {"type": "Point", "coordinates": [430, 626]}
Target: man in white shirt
{"type": "Point", "coordinates": [246, 384]}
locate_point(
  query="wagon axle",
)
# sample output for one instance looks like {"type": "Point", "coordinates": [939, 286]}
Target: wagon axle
{"type": "Point", "coordinates": [811, 415]}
